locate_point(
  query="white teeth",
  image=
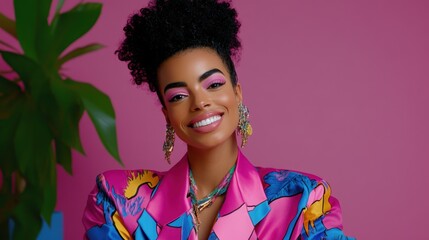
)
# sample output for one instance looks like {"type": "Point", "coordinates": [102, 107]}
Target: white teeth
{"type": "Point", "coordinates": [206, 122]}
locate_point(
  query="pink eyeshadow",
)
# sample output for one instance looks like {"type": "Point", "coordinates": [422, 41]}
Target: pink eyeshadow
{"type": "Point", "coordinates": [174, 92]}
{"type": "Point", "coordinates": [215, 78]}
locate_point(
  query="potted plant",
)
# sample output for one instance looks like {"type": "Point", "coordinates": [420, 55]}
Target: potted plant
{"type": "Point", "coordinates": [40, 110]}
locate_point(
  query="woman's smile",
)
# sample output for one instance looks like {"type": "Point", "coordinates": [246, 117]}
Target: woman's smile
{"type": "Point", "coordinates": [207, 122]}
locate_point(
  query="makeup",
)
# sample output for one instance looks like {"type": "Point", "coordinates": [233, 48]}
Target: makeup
{"type": "Point", "coordinates": [213, 79]}
{"type": "Point", "coordinates": [175, 94]}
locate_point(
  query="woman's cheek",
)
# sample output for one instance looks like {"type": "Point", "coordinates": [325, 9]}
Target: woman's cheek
{"type": "Point", "coordinates": [227, 99]}
{"type": "Point", "coordinates": [177, 114]}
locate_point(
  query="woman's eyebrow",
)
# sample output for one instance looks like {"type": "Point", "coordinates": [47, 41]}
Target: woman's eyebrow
{"type": "Point", "coordinates": [209, 73]}
{"type": "Point", "coordinates": [174, 85]}
{"type": "Point", "coordinates": [201, 78]}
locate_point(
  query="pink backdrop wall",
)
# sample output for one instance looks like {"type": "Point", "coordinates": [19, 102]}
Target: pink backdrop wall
{"type": "Point", "coordinates": [336, 88]}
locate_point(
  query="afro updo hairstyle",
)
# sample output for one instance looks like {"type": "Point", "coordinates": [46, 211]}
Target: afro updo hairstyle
{"type": "Point", "coordinates": [167, 27]}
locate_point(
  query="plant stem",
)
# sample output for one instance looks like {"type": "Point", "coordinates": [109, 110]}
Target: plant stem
{"type": "Point", "coordinates": [20, 184]}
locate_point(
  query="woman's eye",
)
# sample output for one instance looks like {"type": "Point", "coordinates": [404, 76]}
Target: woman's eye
{"type": "Point", "coordinates": [216, 85]}
{"type": "Point", "coordinates": [177, 98]}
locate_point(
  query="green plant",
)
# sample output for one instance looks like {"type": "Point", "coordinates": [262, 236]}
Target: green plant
{"type": "Point", "coordinates": [40, 110]}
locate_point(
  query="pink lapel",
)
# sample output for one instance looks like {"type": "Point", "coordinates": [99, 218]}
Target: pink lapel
{"type": "Point", "coordinates": [245, 203]}
{"type": "Point", "coordinates": [170, 201]}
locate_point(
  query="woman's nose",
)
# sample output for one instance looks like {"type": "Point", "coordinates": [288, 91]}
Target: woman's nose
{"type": "Point", "coordinates": [200, 101]}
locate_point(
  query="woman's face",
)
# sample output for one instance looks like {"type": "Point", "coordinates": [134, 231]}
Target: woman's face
{"type": "Point", "coordinates": [201, 104]}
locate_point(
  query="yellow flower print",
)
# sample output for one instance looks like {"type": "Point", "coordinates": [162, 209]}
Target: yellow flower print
{"type": "Point", "coordinates": [318, 207]}
{"type": "Point", "coordinates": [137, 179]}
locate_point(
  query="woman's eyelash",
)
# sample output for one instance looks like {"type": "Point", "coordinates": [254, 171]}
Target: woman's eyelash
{"type": "Point", "coordinates": [177, 97]}
{"type": "Point", "coordinates": [216, 85]}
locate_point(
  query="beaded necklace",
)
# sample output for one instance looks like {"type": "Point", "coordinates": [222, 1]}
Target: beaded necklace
{"type": "Point", "coordinates": [207, 201]}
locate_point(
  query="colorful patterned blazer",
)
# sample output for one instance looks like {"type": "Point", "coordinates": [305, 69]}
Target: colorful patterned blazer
{"type": "Point", "coordinates": [260, 203]}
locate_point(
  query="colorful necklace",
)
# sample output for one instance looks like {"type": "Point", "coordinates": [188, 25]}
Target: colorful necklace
{"type": "Point", "coordinates": [207, 201]}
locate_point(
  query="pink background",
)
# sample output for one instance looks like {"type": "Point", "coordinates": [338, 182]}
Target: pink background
{"type": "Point", "coordinates": [335, 88]}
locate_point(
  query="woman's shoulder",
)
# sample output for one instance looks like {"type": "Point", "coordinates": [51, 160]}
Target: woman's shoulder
{"type": "Point", "coordinates": [280, 183]}
{"type": "Point", "coordinates": [272, 175]}
{"type": "Point", "coordinates": [310, 195]}
{"type": "Point", "coordinates": [117, 201]}
{"type": "Point", "coordinates": [129, 183]}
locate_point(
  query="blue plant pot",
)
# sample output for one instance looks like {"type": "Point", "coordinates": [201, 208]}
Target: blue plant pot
{"type": "Point", "coordinates": [55, 231]}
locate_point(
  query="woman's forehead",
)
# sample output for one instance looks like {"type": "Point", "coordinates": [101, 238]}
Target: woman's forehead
{"type": "Point", "coordinates": [189, 65]}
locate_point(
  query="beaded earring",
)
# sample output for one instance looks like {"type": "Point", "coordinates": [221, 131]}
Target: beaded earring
{"type": "Point", "coordinates": [169, 142]}
{"type": "Point", "coordinates": [244, 127]}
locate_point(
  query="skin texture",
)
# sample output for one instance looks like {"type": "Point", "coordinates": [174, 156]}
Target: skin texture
{"type": "Point", "coordinates": [195, 84]}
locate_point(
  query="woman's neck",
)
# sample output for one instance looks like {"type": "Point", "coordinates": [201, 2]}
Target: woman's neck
{"type": "Point", "coordinates": [209, 166]}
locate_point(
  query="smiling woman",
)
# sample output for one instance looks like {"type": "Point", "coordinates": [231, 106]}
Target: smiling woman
{"type": "Point", "coordinates": [213, 192]}
{"type": "Point", "coordinates": [200, 100]}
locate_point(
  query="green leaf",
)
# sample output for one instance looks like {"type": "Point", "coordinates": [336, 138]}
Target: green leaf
{"type": "Point", "coordinates": [33, 147]}
{"type": "Point", "coordinates": [11, 99]}
{"type": "Point", "coordinates": [8, 25]}
{"type": "Point", "coordinates": [35, 79]}
{"type": "Point", "coordinates": [26, 215]}
{"type": "Point", "coordinates": [59, 6]}
{"type": "Point", "coordinates": [73, 24]}
{"type": "Point", "coordinates": [54, 22]}
{"type": "Point", "coordinates": [8, 126]}
{"type": "Point", "coordinates": [32, 26]}
{"type": "Point", "coordinates": [63, 156]}
{"type": "Point", "coordinates": [7, 149]}
{"type": "Point", "coordinates": [67, 116]}
{"type": "Point", "coordinates": [8, 87]}
{"type": "Point", "coordinates": [100, 110]}
{"type": "Point", "coordinates": [6, 200]}
{"type": "Point", "coordinates": [49, 192]}
{"type": "Point", "coordinates": [8, 160]}
{"type": "Point", "coordinates": [78, 52]}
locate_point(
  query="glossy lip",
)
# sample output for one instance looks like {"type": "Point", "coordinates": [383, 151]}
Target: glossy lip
{"type": "Point", "coordinates": [209, 128]}
{"type": "Point", "coordinates": [203, 117]}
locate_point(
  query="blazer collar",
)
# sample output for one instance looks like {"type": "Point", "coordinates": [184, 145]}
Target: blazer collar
{"type": "Point", "coordinates": [245, 187]}
{"type": "Point", "coordinates": [245, 203]}
{"type": "Point", "coordinates": [170, 200]}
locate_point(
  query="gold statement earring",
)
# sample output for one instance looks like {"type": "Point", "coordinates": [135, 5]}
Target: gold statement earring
{"type": "Point", "coordinates": [169, 142]}
{"type": "Point", "coordinates": [244, 127]}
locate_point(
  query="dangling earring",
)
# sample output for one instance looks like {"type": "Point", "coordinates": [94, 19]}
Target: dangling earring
{"type": "Point", "coordinates": [169, 142]}
{"type": "Point", "coordinates": [244, 127]}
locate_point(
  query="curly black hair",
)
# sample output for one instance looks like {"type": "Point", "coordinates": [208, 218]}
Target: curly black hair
{"type": "Point", "coordinates": [167, 27]}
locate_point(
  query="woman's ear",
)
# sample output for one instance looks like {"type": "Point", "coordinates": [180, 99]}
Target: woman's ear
{"type": "Point", "coordinates": [164, 111]}
{"type": "Point", "coordinates": [238, 94]}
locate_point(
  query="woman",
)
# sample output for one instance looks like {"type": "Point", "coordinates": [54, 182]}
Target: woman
{"type": "Point", "coordinates": [183, 50]}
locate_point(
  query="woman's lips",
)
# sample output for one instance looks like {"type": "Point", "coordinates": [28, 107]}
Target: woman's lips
{"type": "Point", "coordinates": [206, 122]}
{"type": "Point", "coordinates": [203, 116]}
